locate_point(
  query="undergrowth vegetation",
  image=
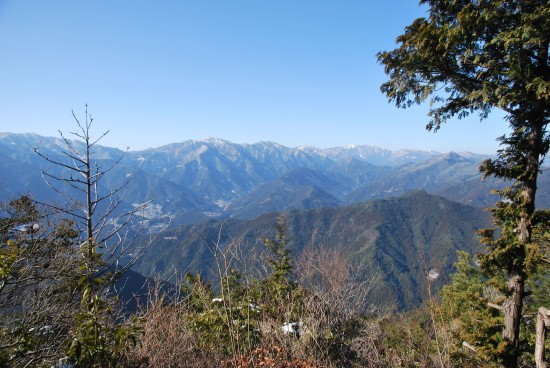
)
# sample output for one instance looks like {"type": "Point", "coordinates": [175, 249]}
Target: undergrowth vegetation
{"type": "Point", "coordinates": [312, 312]}
{"type": "Point", "coordinates": [268, 310]}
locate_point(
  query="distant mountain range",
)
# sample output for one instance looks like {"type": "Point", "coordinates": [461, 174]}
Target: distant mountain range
{"type": "Point", "coordinates": [193, 181]}
{"type": "Point", "coordinates": [401, 213]}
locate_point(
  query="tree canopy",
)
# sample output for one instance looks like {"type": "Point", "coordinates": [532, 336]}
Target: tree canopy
{"type": "Point", "coordinates": [469, 56]}
{"type": "Point", "coordinates": [474, 56]}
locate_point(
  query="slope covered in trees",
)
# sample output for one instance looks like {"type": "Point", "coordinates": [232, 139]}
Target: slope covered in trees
{"type": "Point", "coordinates": [397, 240]}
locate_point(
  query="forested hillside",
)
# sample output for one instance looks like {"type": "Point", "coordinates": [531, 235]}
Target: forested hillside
{"type": "Point", "coordinates": [398, 241]}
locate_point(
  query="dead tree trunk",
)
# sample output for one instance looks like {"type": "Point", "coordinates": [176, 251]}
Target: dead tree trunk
{"type": "Point", "coordinates": [543, 322]}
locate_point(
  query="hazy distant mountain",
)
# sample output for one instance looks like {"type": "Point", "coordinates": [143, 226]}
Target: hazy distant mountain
{"type": "Point", "coordinates": [20, 173]}
{"type": "Point", "coordinates": [435, 176]}
{"type": "Point", "coordinates": [195, 180]}
{"type": "Point", "coordinates": [222, 171]}
{"type": "Point", "coordinates": [373, 154]}
{"type": "Point", "coordinates": [297, 189]}
{"type": "Point", "coordinates": [398, 239]}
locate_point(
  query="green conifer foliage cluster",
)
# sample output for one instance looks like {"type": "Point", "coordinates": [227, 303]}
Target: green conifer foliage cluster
{"type": "Point", "coordinates": [464, 303]}
{"type": "Point", "coordinates": [475, 56]}
{"type": "Point", "coordinates": [231, 321]}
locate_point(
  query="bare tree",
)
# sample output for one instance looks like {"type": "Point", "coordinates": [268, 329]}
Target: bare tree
{"type": "Point", "coordinates": [109, 230]}
{"type": "Point", "coordinates": [336, 300]}
{"type": "Point", "coordinates": [336, 281]}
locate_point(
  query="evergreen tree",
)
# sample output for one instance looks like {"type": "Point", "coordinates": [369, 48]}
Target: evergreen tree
{"type": "Point", "coordinates": [229, 319]}
{"type": "Point", "coordinates": [279, 261]}
{"type": "Point", "coordinates": [473, 56]}
{"type": "Point", "coordinates": [464, 304]}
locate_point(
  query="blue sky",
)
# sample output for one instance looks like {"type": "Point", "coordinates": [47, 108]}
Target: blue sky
{"type": "Point", "coordinates": [297, 72]}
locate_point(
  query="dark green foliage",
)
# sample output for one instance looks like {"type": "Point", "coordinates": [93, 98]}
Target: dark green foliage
{"type": "Point", "coordinates": [195, 291]}
{"type": "Point", "coordinates": [465, 308]}
{"type": "Point", "coordinates": [515, 250]}
{"type": "Point", "coordinates": [98, 341]}
{"type": "Point", "coordinates": [279, 260]}
{"type": "Point", "coordinates": [470, 316]}
{"type": "Point", "coordinates": [485, 54]}
{"type": "Point", "coordinates": [277, 292]}
{"type": "Point", "coordinates": [474, 56]}
{"type": "Point", "coordinates": [507, 250]}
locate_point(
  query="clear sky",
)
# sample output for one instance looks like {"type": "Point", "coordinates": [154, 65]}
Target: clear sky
{"type": "Point", "coordinates": [297, 72]}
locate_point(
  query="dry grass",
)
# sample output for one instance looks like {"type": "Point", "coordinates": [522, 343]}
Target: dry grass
{"type": "Point", "coordinates": [167, 341]}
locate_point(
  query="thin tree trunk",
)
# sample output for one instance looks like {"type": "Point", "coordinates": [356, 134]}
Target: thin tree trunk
{"type": "Point", "coordinates": [89, 214]}
{"type": "Point", "coordinates": [543, 321]}
{"type": "Point", "coordinates": [513, 304]}
{"type": "Point", "coordinates": [512, 308]}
